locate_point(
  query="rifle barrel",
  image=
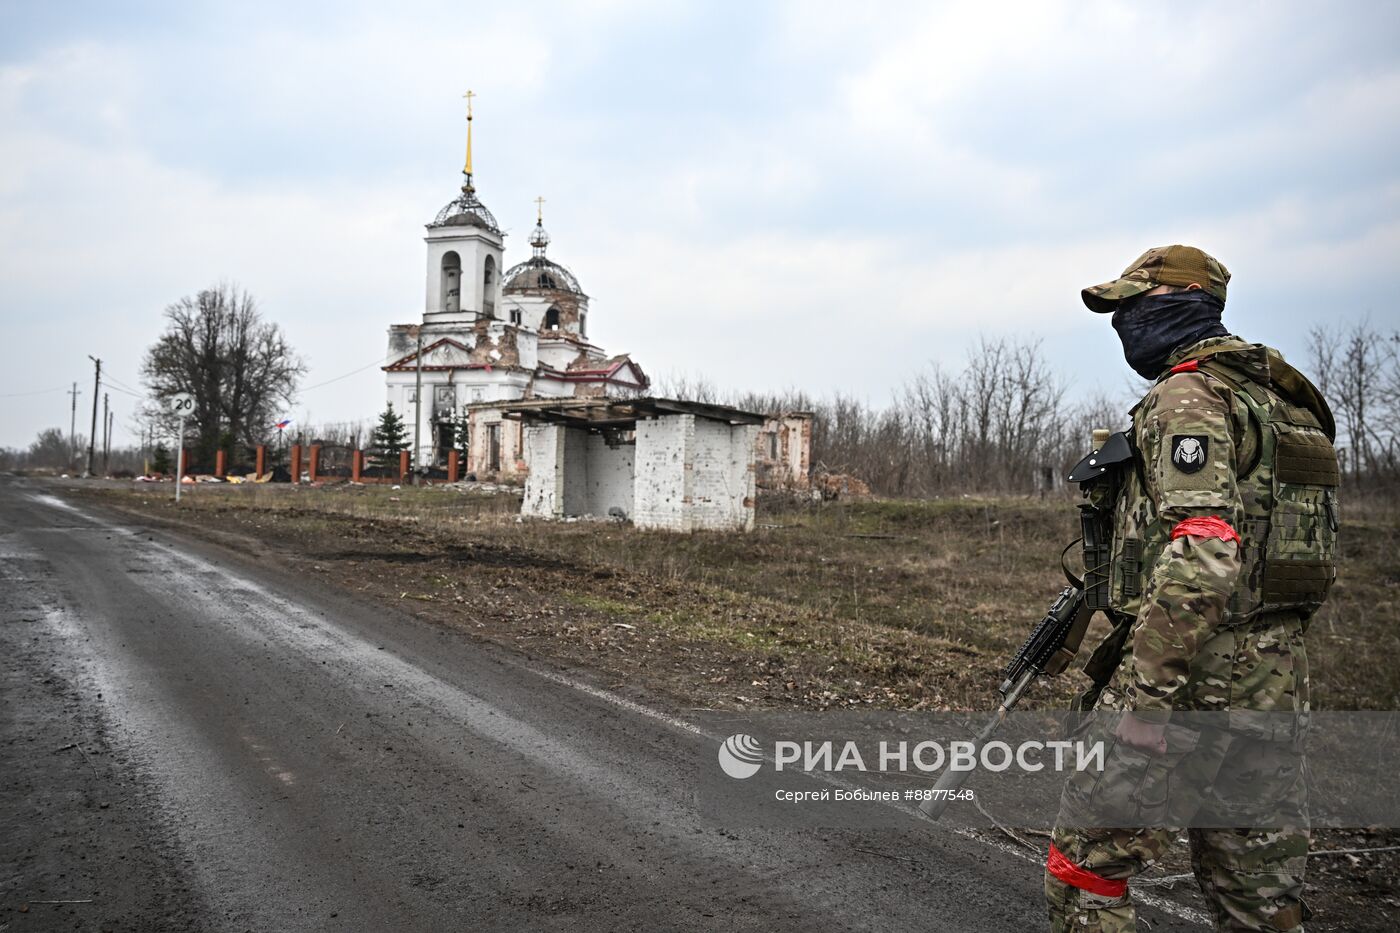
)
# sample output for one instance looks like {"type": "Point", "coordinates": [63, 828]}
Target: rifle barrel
{"type": "Point", "coordinates": [950, 781]}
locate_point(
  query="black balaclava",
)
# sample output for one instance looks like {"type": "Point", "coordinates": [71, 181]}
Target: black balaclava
{"type": "Point", "coordinates": [1152, 326]}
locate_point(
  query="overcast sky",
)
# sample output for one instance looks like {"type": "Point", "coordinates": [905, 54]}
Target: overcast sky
{"type": "Point", "coordinates": [802, 195]}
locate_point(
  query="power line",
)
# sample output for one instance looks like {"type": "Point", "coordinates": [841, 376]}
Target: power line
{"type": "Point", "coordinates": [129, 390]}
{"type": "Point", "coordinates": [116, 388]}
{"type": "Point", "coordinates": [35, 392]}
{"type": "Point", "coordinates": [378, 362]}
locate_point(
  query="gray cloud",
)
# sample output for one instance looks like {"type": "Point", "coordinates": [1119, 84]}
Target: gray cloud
{"type": "Point", "coordinates": [779, 196]}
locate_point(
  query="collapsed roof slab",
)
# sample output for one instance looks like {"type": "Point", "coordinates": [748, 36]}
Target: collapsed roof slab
{"type": "Point", "coordinates": [618, 413]}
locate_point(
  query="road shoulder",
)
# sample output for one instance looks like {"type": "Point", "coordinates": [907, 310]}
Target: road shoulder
{"type": "Point", "coordinates": [84, 851]}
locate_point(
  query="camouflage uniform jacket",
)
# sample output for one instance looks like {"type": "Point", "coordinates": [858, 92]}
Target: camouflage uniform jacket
{"type": "Point", "coordinates": [1230, 468]}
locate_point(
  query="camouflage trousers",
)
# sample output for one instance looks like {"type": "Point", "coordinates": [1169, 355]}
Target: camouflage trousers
{"type": "Point", "coordinates": [1252, 879]}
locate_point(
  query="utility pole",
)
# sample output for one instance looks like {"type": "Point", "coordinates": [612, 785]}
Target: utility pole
{"type": "Point", "coordinates": [73, 426]}
{"type": "Point", "coordinates": [92, 436]}
{"type": "Point", "coordinates": [106, 434]}
{"type": "Point", "coordinates": [417, 401]}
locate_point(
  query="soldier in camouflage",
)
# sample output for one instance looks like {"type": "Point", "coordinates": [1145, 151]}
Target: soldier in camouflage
{"type": "Point", "coordinates": [1223, 547]}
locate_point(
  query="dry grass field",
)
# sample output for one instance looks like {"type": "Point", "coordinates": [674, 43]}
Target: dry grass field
{"type": "Point", "coordinates": [909, 604]}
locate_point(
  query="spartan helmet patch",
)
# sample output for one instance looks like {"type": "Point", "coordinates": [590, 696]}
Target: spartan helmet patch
{"type": "Point", "coordinates": [1189, 451]}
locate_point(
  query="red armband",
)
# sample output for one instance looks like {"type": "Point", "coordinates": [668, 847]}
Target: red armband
{"type": "Point", "coordinates": [1082, 878]}
{"type": "Point", "coordinates": [1190, 366]}
{"type": "Point", "coordinates": [1211, 527]}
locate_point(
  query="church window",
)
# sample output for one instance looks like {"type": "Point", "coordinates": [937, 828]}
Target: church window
{"type": "Point", "coordinates": [515, 315]}
{"type": "Point", "coordinates": [551, 319]}
{"type": "Point", "coordinates": [582, 324]}
{"type": "Point", "coordinates": [451, 282]}
{"type": "Point", "coordinates": [488, 293]}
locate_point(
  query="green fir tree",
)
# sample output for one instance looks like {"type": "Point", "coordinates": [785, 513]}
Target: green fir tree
{"type": "Point", "coordinates": [390, 436]}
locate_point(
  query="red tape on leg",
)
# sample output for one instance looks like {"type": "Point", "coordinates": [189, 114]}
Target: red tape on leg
{"type": "Point", "coordinates": [1211, 527]}
{"type": "Point", "coordinates": [1082, 878]}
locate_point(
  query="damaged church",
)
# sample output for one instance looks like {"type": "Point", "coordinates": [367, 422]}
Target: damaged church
{"type": "Point", "coordinates": [492, 335]}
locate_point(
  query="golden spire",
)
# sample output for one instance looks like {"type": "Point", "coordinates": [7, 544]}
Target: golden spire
{"type": "Point", "coordinates": [467, 168]}
{"type": "Point", "coordinates": [539, 210]}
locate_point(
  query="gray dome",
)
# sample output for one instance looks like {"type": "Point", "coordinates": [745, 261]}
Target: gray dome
{"type": "Point", "coordinates": [466, 211]}
{"type": "Point", "coordinates": [539, 272]}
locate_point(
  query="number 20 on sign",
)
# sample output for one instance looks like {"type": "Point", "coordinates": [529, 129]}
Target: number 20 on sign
{"type": "Point", "coordinates": [181, 406]}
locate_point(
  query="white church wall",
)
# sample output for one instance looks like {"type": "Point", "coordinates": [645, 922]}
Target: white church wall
{"type": "Point", "coordinates": [553, 388]}
{"type": "Point", "coordinates": [436, 301]}
{"type": "Point", "coordinates": [527, 345]}
{"type": "Point", "coordinates": [557, 354]}
{"type": "Point", "coordinates": [472, 248]}
{"type": "Point", "coordinates": [488, 294]}
{"type": "Point", "coordinates": [532, 309]}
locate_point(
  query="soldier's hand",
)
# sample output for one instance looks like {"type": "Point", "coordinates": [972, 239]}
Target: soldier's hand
{"type": "Point", "coordinates": [1147, 736]}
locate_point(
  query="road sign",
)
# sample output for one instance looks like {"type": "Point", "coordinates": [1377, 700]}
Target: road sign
{"type": "Point", "coordinates": [182, 406]}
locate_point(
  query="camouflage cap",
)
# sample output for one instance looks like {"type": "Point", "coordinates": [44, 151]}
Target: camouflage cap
{"type": "Point", "coordinates": [1165, 265]}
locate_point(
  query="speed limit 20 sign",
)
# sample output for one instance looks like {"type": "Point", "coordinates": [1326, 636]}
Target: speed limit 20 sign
{"type": "Point", "coordinates": [182, 404]}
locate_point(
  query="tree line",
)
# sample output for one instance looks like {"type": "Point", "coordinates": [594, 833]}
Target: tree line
{"type": "Point", "coordinates": [54, 450]}
{"type": "Point", "coordinates": [1001, 423]}
{"type": "Point", "coordinates": [1357, 367]}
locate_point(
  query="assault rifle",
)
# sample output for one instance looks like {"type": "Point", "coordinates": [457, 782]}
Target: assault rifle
{"type": "Point", "coordinates": [1055, 641]}
{"type": "Point", "coordinates": [1048, 651]}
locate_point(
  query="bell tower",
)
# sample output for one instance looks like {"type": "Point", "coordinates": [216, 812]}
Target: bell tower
{"type": "Point", "coordinates": [464, 254]}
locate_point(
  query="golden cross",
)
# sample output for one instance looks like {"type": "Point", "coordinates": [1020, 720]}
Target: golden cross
{"type": "Point", "coordinates": [539, 210]}
{"type": "Point", "coordinates": [469, 95]}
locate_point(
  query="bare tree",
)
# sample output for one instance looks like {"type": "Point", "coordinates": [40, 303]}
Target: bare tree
{"type": "Point", "coordinates": [239, 368]}
{"type": "Point", "coordinates": [51, 449]}
{"type": "Point", "coordinates": [1358, 369]}
{"type": "Point", "coordinates": [681, 385]}
{"type": "Point", "coordinates": [1000, 423]}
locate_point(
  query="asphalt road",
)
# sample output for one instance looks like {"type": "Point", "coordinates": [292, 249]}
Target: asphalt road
{"type": "Point", "coordinates": [194, 740]}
